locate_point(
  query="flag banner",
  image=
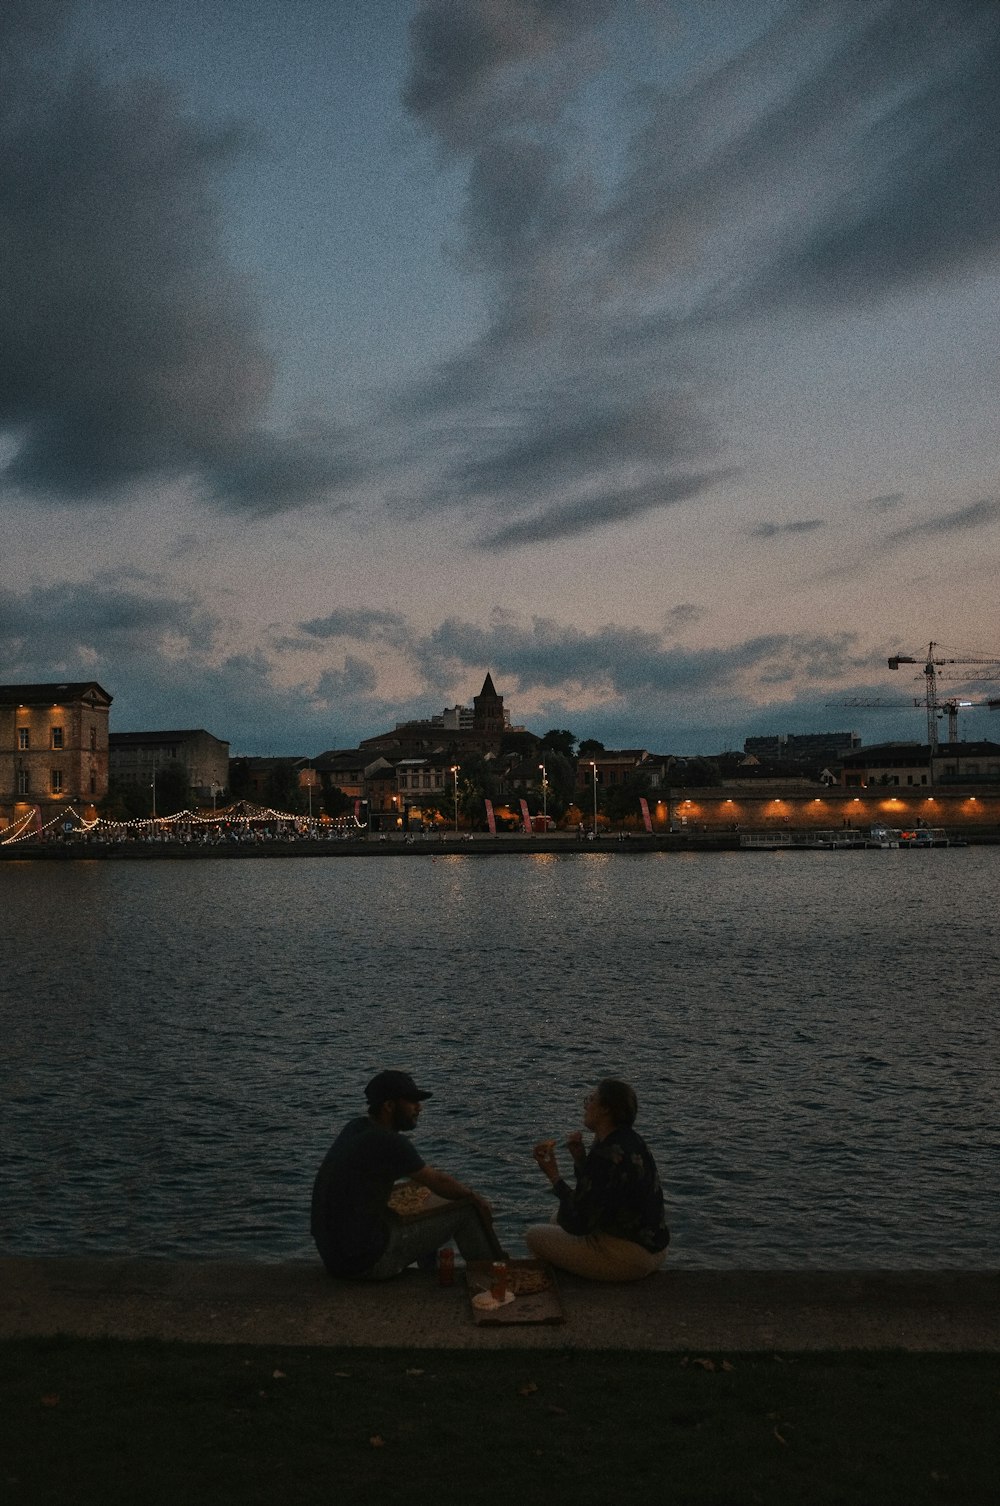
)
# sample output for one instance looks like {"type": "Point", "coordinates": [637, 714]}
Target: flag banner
{"type": "Point", "coordinates": [647, 820]}
{"type": "Point", "coordinates": [525, 818]}
{"type": "Point", "coordinates": [357, 811]}
{"type": "Point", "coordinates": [491, 820]}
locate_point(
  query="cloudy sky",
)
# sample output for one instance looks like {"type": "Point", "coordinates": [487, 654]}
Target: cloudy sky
{"type": "Point", "coordinates": [643, 353]}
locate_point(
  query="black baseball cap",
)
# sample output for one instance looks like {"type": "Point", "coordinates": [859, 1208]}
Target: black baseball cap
{"type": "Point", "coordinates": [392, 1084]}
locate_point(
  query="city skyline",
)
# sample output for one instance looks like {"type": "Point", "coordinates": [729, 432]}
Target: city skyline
{"type": "Point", "coordinates": [643, 355]}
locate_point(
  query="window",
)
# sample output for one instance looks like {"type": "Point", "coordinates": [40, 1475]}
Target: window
{"type": "Point", "coordinates": [93, 739]}
{"type": "Point", "coordinates": [403, 781]}
{"type": "Point", "coordinates": [57, 737]}
{"type": "Point", "coordinates": [57, 781]}
{"type": "Point", "coordinates": [23, 782]}
{"type": "Point", "coordinates": [93, 784]}
{"type": "Point", "coordinates": [23, 738]}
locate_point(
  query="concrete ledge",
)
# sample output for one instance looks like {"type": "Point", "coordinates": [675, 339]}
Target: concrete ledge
{"type": "Point", "coordinates": [226, 1302]}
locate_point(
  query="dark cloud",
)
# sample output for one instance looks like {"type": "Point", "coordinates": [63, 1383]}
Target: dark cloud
{"type": "Point", "coordinates": [684, 615]}
{"type": "Point", "coordinates": [884, 503]}
{"type": "Point", "coordinates": [871, 168]}
{"type": "Point", "coordinates": [557, 452]}
{"type": "Point", "coordinates": [613, 506]}
{"type": "Point", "coordinates": [468, 72]}
{"type": "Point", "coordinates": [355, 680]}
{"type": "Point", "coordinates": [70, 625]}
{"type": "Point", "coordinates": [842, 153]}
{"type": "Point", "coordinates": [616, 661]}
{"type": "Point", "coordinates": [981, 514]}
{"type": "Point", "coordinates": [165, 661]}
{"type": "Point", "coordinates": [131, 345]}
{"type": "Point", "coordinates": [929, 197]}
{"type": "Point", "coordinates": [776, 530]}
{"type": "Point", "coordinates": [363, 625]}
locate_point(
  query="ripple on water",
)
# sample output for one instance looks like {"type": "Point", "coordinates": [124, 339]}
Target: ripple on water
{"type": "Point", "coordinates": [817, 1089]}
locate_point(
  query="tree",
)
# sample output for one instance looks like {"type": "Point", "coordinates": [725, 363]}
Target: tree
{"type": "Point", "coordinates": [477, 783]}
{"type": "Point", "coordinates": [691, 772]}
{"type": "Point", "coordinates": [588, 746]}
{"type": "Point", "coordinates": [335, 802]}
{"type": "Point", "coordinates": [622, 800]}
{"type": "Point", "coordinates": [171, 788]}
{"type": "Point", "coordinates": [559, 740]}
{"type": "Point", "coordinates": [127, 802]}
{"type": "Point", "coordinates": [239, 778]}
{"type": "Point", "coordinates": [281, 788]}
{"type": "Point", "coordinates": [560, 776]}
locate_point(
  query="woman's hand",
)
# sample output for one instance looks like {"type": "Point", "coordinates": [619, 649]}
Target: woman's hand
{"type": "Point", "coordinates": [544, 1153]}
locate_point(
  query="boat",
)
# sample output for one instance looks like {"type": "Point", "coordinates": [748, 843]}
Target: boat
{"type": "Point", "coordinates": [924, 836]}
{"type": "Point", "coordinates": [881, 837]}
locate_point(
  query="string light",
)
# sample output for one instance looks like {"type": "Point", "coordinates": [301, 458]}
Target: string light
{"type": "Point", "coordinates": [242, 815]}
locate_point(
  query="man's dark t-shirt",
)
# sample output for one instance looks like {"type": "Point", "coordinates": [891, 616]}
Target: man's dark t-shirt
{"type": "Point", "coordinates": [350, 1217]}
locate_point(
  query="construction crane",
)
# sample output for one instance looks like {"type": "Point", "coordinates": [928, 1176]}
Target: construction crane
{"type": "Point", "coordinates": [950, 706]}
{"type": "Point", "coordinates": [935, 707]}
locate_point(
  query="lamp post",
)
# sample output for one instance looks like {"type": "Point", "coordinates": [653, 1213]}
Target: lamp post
{"type": "Point", "coordinates": [545, 792]}
{"type": "Point", "coordinates": [593, 770]}
{"type": "Point", "coordinates": [455, 772]}
{"type": "Point", "coordinates": [153, 788]}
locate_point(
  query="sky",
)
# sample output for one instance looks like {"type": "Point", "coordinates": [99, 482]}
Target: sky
{"type": "Point", "coordinates": [643, 354]}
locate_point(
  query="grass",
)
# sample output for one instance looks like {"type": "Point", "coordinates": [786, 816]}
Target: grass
{"type": "Point", "coordinates": [149, 1423]}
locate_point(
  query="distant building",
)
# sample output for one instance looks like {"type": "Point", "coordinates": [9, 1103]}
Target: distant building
{"type": "Point", "coordinates": [254, 778]}
{"type": "Point", "coordinates": [765, 747]}
{"type": "Point", "coordinates": [136, 756]}
{"type": "Point", "coordinates": [53, 746]}
{"type": "Point", "coordinates": [455, 730]}
{"type": "Point", "coordinates": [967, 763]}
{"type": "Point", "coordinates": [913, 764]}
{"type": "Point", "coordinates": [611, 767]}
{"type": "Point", "coordinates": [804, 747]}
{"type": "Point", "coordinates": [456, 718]}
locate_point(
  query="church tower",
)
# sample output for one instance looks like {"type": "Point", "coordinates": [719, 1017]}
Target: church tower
{"type": "Point", "coordinates": [488, 717]}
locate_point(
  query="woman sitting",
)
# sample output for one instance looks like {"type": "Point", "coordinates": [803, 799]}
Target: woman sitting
{"type": "Point", "coordinates": [611, 1226]}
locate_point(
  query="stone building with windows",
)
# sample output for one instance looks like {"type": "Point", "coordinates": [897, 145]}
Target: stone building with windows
{"type": "Point", "coordinates": [53, 747]}
{"type": "Point", "coordinates": [135, 757]}
{"type": "Point", "coordinates": [904, 765]}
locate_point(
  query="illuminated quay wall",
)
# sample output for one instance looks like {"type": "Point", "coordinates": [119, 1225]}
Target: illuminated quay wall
{"type": "Point", "coordinates": [719, 809]}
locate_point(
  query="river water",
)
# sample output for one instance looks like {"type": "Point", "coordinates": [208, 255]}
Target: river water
{"type": "Point", "coordinates": [813, 1037]}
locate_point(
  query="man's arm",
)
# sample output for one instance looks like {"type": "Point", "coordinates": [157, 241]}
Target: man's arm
{"type": "Point", "coordinates": [447, 1187]}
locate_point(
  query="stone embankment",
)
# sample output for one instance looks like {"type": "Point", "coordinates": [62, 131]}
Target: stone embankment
{"type": "Point", "coordinates": [676, 1310]}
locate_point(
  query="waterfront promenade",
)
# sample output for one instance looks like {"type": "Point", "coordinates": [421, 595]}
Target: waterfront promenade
{"type": "Point", "coordinates": [419, 846]}
{"type": "Point", "coordinates": [296, 1303]}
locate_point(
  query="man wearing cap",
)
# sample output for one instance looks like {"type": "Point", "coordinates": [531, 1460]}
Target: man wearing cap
{"type": "Point", "coordinates": [356, 1232]}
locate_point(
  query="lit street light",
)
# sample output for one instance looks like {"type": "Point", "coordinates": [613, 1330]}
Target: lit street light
{"type": "Point", "coordinates": [455, 771]}
{"type": "Point", "coordinates": [593, 768]}
{"type": "Point", "coordinates": [545, 791]}
{"type": "Point", "coordinates": [153, 788]}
